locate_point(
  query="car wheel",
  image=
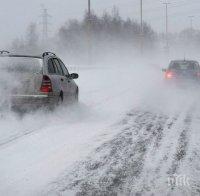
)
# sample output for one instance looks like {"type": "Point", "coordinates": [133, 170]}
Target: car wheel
{"type": "Point", "coordinates": [60, 99]}
{"type": "Point", "coordinates": [76, 99]}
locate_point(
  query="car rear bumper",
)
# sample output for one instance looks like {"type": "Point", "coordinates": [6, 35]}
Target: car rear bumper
{"type": "Point", "coordinates": [31, 102]}
{"type": "Point", "coordinates": [183, 83]}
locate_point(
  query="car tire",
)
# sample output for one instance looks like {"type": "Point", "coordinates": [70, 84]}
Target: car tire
{"type": "Point", "coordinates": [60, 99]}
{"type": "Point", "coordinates": [76, 98]}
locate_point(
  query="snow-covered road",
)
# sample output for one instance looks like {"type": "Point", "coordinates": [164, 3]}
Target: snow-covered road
{"type": "Point", "coordinates": [142, 159]}
{"type": "Point", "coordinates": [128, 135]}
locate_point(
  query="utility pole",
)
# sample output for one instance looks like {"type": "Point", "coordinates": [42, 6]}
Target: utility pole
{"type": "Point", "coordinates": [45, 24]}
{"type": "Point", "coordinates": [141, 16]}
{"type": "Point", "coordinates": [89, 8]}
{"type": "Point", "coordinates": [89, 50]}
{"type": "Point", "coordinates": [141, 26]}
{"type": "Point", "coordinates": [167, 28]}
{"type": "Point", "coordinates": [191, 22]}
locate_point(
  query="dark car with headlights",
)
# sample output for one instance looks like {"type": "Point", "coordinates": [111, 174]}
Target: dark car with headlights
{"type": "Point", "coordinates": [183, 71]}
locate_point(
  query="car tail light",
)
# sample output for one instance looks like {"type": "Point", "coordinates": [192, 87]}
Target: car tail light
{"type": "Point", "coordinates": [46, 86]}
{"type": "Point", "coordinates": [169, 74]}
{"type": "Point", "coordinates": [198, 74]}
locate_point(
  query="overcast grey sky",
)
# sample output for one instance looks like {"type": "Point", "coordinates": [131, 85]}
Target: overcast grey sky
{"type": "Point", "coordinates": [15, 15]}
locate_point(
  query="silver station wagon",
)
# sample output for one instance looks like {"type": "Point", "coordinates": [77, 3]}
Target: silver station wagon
{"type": "Point", "coordinates": [31, 82]}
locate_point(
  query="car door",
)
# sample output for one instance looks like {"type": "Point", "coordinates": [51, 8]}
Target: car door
{"type": "Point", "coordinates": [72, 85]}
{"type": "Point", "coordinates": [64, 82]}
{"type": "Point", "coordinates": [55, 79]}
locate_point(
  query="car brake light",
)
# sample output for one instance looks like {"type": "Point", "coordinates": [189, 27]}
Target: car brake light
{"type": "Point", "coordinates": [46, 86]}
{"type": "Point", "coordinates": [198, 74]}
{"type": "Point", "coordinates": [169, 74]}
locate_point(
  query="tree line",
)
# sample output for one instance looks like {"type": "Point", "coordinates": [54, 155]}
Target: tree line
{"type": "Point", "coordinates": [95, 36]}
{"type": "Point", "coordinates": [102, 37]}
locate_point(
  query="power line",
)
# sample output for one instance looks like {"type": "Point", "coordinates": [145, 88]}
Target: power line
{"type": "Point", "coordinates": [177, 5]}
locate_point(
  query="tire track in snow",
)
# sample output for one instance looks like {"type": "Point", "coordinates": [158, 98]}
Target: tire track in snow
{"type": "Point", "coordinates": [182, 147]}
{"type": "Point", "coordinates": [156, 158]}
{"type": "Point", "coordinates": [171, 152]}
{"type": "Point", "coordinates": [22, 131]}
{"type": "Point", "coordinates": [190, 166]}
{"type": "Point", "coordinates": [17, 137]}
{"type": "Point", "coordinates": [182, 142]}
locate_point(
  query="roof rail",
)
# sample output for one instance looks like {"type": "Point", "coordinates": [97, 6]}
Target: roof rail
{"type": "Point", "coordinates": [48, 53]}
{"type": "Point", "coordinates": [4, 52]}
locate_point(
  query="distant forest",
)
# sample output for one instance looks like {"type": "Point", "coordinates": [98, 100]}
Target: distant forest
{"type": "Point", "coordinates": [100, 37]}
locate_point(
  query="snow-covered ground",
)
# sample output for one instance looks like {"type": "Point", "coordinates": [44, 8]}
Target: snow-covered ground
{"type": "Point", "coordinates": [128, 135]}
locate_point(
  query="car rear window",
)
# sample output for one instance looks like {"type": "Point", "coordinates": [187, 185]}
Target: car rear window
{"type": "Point", "coordinates": [21, 64]}
{"type": "Point", "coordinates": [184, 65]}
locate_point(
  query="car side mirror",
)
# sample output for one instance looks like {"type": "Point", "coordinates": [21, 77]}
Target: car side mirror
{"type": "Point", "coordinates": [73, 76]}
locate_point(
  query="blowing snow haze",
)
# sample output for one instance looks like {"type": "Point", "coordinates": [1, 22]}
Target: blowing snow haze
{"type": "Point", "coordinates": [16, 15]}
{"type": "Point", "coordinates": [96, 103]}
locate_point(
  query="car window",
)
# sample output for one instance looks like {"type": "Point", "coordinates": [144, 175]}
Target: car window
{"type": "Point", "coordinates": [184, 65]}
{"type": "Point", "coordinates": [59, 70]}
{"type": "Point", "coordinates": [51, 67]}
{"type": "Point", "coordinates": [197, 66]}
{"type": "Point", "coordinates": [21, 65]}
{"type": "Point", "coordinates": [66, 72]}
